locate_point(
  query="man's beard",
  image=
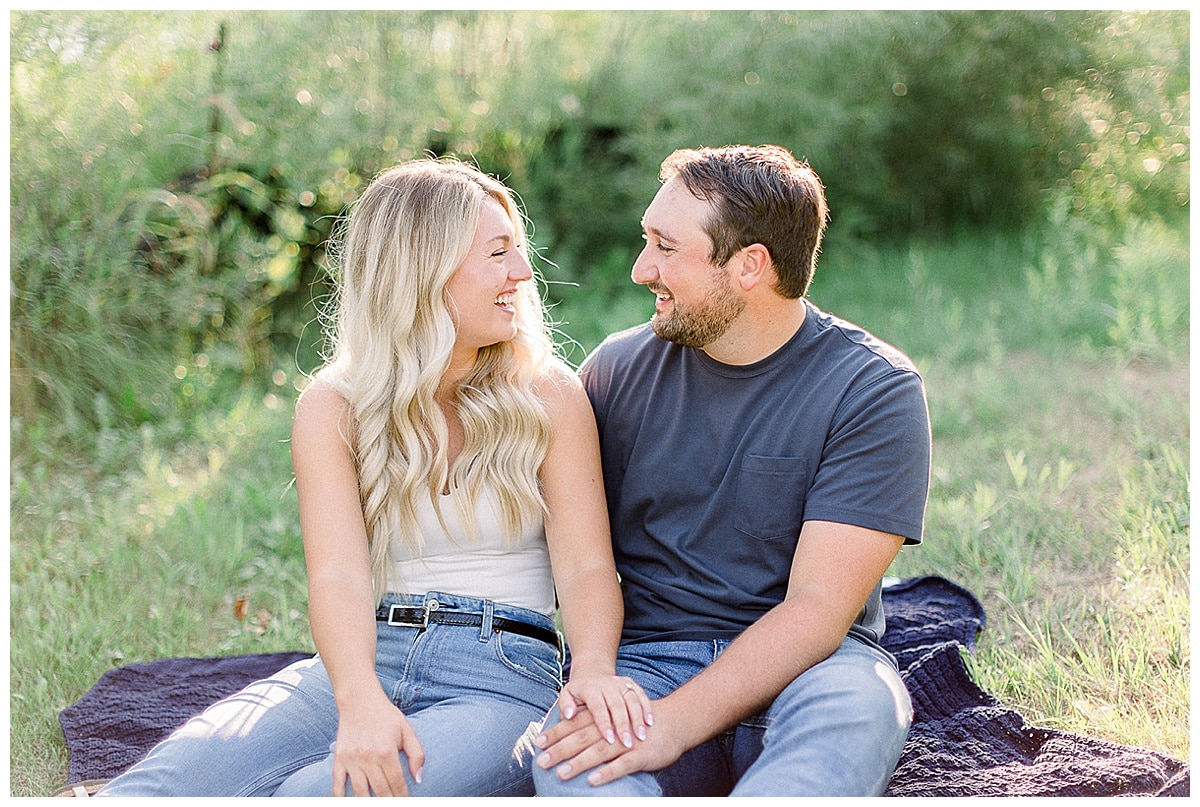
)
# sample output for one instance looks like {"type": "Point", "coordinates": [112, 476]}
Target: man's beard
{"type": "Point", "coordinates": [703, 323]}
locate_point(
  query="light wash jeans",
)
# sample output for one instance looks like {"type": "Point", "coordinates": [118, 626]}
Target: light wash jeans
{"type": "Point", "coordinates": [474, 697]}
{"type": "Point", "coordinates": [837, 730]}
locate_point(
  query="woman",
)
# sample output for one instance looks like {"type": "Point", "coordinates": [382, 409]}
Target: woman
{"type": "Point", "coordinates": [445, 462]}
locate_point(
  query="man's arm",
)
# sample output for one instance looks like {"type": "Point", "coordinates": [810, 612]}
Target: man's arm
{"type": "Point", "coordinates": [834, 570]}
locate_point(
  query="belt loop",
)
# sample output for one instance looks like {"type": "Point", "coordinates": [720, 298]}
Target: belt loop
{"type": "Point", "coordinates": [485, 629]}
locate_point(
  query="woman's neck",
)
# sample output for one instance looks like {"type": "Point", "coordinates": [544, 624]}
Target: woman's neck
{"type": "Point", "coordinates": [461, 365]}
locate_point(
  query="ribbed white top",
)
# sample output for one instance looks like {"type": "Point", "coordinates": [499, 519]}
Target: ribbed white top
{"type": "Point", "coordinates": [516, 574]}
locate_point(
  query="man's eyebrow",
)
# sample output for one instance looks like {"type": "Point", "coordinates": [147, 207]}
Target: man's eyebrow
{"type": "Point", "coordinates": [664, 235]}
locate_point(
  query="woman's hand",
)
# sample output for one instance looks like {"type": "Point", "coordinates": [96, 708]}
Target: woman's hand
{"type": "Point", "coordinates": [618, 705]}
{"type": "Point", "coordinates": [371, 734]}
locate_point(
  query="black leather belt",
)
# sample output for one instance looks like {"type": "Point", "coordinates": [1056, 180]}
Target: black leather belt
{"type": "Point", "coordinates": [420, 616]}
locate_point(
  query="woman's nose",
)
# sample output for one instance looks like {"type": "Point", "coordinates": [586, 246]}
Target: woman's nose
{"type": "Point", "coordinates": [520, 269]}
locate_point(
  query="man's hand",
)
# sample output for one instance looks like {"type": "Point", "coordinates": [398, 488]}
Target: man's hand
{"type": "Point", "coordinates": [577, 745]}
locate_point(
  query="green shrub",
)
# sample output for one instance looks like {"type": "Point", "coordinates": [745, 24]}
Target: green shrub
{"type": "Point", "coordinates": [174, 175]}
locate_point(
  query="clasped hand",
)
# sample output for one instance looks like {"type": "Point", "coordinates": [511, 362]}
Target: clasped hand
{"type": "Point", "coordinates": [603, 717]}
{"type": "Point", "coordinates": [618, 706]}
{"type": "Point", "coordinates": [587, 735]}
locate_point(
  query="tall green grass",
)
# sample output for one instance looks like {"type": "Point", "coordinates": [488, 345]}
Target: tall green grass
{"type": "Point", "coordinates": [1057, 377]}
{"type": "Point", "coordinates": [1058, 385]}
{"type": "Point", "coordinates": [139, 547]}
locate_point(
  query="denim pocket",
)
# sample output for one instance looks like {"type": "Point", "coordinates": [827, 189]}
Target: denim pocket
{"type": "Point", "coordinates": [770, 497]}
{"type": "Point", "coordinates": [529, 657]}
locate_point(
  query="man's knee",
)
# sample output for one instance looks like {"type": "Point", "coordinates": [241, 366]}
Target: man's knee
{"type": "Point", "coordinates": [855, 684]}
{"type": "Point", "coordinates": [838, 729]}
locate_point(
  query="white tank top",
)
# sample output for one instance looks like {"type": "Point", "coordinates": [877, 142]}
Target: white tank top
{"type": "Point", "coordinates": [515, 574]}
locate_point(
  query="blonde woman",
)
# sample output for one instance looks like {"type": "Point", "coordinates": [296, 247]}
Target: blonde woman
{"type": "Point", "coordinates": [446, 463]}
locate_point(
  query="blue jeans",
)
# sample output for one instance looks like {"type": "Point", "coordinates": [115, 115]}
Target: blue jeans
{"type": "Point", "coordinates": [837, 730]}
{"type": "Point", "coordinates": [474, 697]}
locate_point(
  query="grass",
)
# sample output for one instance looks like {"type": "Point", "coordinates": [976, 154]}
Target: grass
{"type": "Point", "coordinates": [147, 562]}
{"type": "Point", "coordinates": [1060, 490]}
{"type": "Point", "coordinates": [1074, 532]}
{"type": "Point", "coordinates": [1057, 380]}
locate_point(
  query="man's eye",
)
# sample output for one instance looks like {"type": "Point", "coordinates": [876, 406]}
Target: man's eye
{"type": "Point", "coordinates": [660, 246]}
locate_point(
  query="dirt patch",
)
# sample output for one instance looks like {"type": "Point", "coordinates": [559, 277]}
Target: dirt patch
{"type": "Point", "coordinates": [1150, 381]}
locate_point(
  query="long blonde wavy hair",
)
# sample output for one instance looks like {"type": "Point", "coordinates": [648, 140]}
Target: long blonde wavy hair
{"type": "Point", "coordinates": [392, 330]}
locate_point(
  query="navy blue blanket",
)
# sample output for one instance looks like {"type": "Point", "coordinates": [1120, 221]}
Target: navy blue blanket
{"type": "Point", "coordinates": [963, 741]}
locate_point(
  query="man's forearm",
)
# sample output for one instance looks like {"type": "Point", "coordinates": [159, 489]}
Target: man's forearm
{"type": "Point", "coordinates": [753, 670]}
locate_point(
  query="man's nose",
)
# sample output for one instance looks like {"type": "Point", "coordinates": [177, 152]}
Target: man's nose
{"type": "Point", "coordinates": [644, 270]}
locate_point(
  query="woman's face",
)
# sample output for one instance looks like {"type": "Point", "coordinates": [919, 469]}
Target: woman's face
{"type": "Point", "coordinates": [483, 289]}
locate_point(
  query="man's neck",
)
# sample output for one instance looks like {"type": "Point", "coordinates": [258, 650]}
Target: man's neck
{"type": "Point", "coordinates": [759, 332]}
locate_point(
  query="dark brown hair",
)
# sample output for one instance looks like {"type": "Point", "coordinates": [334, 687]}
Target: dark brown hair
{"type": "Point", "coordinates": [760, 195]}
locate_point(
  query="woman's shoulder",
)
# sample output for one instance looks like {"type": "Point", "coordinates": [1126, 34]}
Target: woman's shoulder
{"type": "Point", "coordinates": [559, 388]}
{"type": "Point", "coordinates": [324, 389]}
{"type": "Point", "coordinates": [321, 409]}
{"type": "Point", "coordinates": [556, 377]}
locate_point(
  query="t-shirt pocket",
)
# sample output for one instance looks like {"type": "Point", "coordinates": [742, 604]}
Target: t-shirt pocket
{"type": "Point", "coordinates": [770, 497]}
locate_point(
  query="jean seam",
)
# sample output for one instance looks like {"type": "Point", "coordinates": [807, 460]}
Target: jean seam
{"type": "Point", "coordinates": [408, 684]}
{"type": "Point", "coordinates": [509, 787]}
{"type": "Point", "coordinates": [293, 765]}
{"type": "Point", "coordinates": [287, 770]}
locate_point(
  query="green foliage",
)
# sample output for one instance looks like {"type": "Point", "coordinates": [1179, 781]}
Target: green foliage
{"type": "Point", "coordinates": [1122, 126]}
{"type": "Point", "coordinates": [175, 175]}
{"type": "Point", "coordinates": [1147, 314]}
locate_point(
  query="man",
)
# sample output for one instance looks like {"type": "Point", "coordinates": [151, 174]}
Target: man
{"type": "Point", "coordinates": [764, 462]}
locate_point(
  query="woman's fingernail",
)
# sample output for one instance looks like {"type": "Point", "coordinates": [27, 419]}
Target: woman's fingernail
{"type": "Point", "coordinates": [626, 739]}
{"type": "Point", "coordinates": [641, 732]}
{"type": "Point", "coordinates": [540, 741]}
{"type": "Point", "coordinates": [419, 775]}
{"type": "Point", "coordinates": [544, 760]}
{"type": "Point", "coordinates": [649, 719]}
{"type": "Point", "coordinates": [564, 770]}
{"type": "Point", "coordinates": [594, 778]}
{"type": "Point", "coordinates": [610, 736]}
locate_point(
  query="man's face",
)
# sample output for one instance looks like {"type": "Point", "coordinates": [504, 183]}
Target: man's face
{"type": "Point", "coordinates": [696, 302]}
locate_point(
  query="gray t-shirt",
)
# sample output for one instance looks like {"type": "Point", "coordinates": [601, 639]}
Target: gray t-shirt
{"type": "Point", "coordinates": [711, 469]}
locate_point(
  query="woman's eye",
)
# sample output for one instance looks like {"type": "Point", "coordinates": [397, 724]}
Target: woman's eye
{"type": "Point", "coordinates": [500, 253]}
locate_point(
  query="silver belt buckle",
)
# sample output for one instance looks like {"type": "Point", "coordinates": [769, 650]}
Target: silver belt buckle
{"type": "Point", "coordinates": [399, 623]}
